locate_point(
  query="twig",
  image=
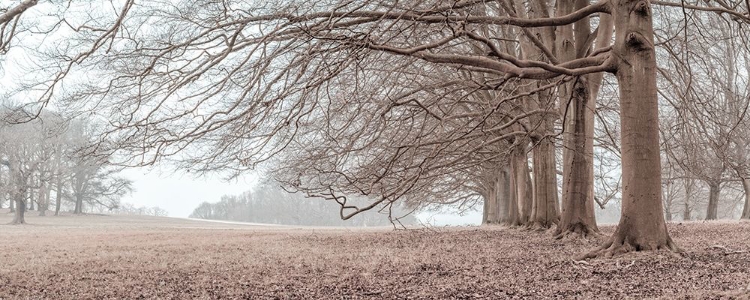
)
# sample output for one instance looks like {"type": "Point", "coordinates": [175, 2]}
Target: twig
{"type": "Point", "coordinates": [625, 267]}
{"type": "Point", "coordinates": [584, 264]}
{"type": "Point", "coordinates": [726, 250]}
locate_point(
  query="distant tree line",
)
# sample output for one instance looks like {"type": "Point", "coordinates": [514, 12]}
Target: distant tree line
{"type": "Point", "coordinates": [270, 204]}
{"type": "Point", "coordinates": [131, 209]}
{"type": "Point", "coordinates": [46, 165]}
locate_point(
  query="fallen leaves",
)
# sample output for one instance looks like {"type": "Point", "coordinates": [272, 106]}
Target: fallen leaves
{"type": "Point", "coordinates": [475, 263]}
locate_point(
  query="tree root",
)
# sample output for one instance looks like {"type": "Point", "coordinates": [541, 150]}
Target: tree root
{"type": "Point", "coordinates": [617, 246]}
{"type": "Point", "coordinates": [576, 231]}
{"type": "Point", "coordinates": [539, 226]}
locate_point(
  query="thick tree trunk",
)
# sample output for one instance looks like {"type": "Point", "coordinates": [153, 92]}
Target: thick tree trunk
{"type": "Point", "coordinates": [642, 225]}
{"type": "Point", "coordinates": [507, 198]}
{"type": "Point", "coordinates": [521, 185]}
{"type": "Point", "coordinates": [492, 203]}
{"type": "Point", "coordinates": [577, 215]}
{"type": "Point", "coordinates": [578, 204]}
{"type": "Point", "coordinates": [714, 190]}
{"type": "Point", "coordinates": [746, 209]}
{"type": "Point", "coordinates": [498, 204]}
{"type": "Point", "coordinates": [544, 210]}
{"type": "Point", "coordinates": [79, 204]}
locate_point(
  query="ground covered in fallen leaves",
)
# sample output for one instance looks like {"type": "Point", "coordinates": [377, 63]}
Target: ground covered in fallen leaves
{"type": "Point", "coordinates": [116, 257]}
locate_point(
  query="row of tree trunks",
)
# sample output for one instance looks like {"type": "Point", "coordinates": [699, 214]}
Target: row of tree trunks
{"type": "Point", "coordinates": [521, 185]}
{"type": "Point", "coordinates": [512, 199]}
{"type": "Point", "coordinates": [545, 207]}
{"type": "Point", "coordinates": [498, 203]}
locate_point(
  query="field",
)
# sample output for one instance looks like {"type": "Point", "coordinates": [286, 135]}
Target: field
{"type": "Point", "coordinates": [115, 257]}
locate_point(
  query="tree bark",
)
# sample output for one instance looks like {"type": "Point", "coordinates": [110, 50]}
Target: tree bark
{"type": "Point", "coordinates": [578, 205]}
{"type": "Point", "coordinates": [577, 215]}
{"type": "Point", "coordinates": [492, 203]}
{"type": "Point", "coordinates": [544, 210]}
{"type": "Point", "coordinates": [521, 185]}
{"type": "Point", "coordinates": [58, 195]}
{"type": "Point", "coordinates": [18, 216]}
{"type": "Point", "coordinates": [485, 208]}
{"type": "Point", "coordinates": [30, 200]}
{"type": "Point", "coordinates": [688, 194]}
{"type": "Point", "coordinates": [746, 209]}
{"type": "Point", "coordinates": [714, 189]}
{"type": "Point", "coordinates": [642, 225]}
{"type": "Point", "coordinates": [42, 199]}
{"type": "Point", "coordinates": [79, 204]}
{"type": "Point", "coordinates": [506, 197]}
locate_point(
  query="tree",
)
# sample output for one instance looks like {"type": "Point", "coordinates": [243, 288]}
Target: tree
{"type": "Point", "coordinates": [93, 179]}
{"type": "Point", "coordinates": [229, 85]}
{"type": "Point", "coordinates": [20, 154]}
{"type": "Point", "coordinates": [707, 139]}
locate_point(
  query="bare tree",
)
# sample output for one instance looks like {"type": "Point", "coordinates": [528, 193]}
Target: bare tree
{"type": "Point", "coordinates": [707, 138]}
{"type": "Point", "coordinates": [229, 85]}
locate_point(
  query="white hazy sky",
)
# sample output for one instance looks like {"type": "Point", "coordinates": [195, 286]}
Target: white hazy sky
{"type": "Point", "coordinates": [179, 193]}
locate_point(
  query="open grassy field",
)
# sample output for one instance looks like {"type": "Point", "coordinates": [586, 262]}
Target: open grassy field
{"type": "Point", "coordinates": [115, 257]}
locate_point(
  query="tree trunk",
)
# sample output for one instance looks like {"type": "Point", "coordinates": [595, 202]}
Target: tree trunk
{"type": "Point", "coordinates": [642, 225]}
{"type": "Point", "coordinates": [18, 217]}
{"type": "Point", "coordinates": [578, 204]}
{"type": "Point", "coordinates": [58, 196]}
{"type": "Point", "coordinates": [746, 209]}
{"type": "Point", "coordinates": [42, 199]}
{"type": "Point", "coordinates": [521, 185]}
{"type": "Point", "coordinates": [30, 200]}
{"type": "Point", "coordinates": [544, 210]}
{"type": "Point", "coordinates": [688, 194]}
{"type": "Point", "coordinates": [668, 199]}
{"type": "Point", "coordinates": [79, 204]}
{"type": "Point", "coordinates": [506, 198]}
{"type": "Point", "coordinates": [492, 204]}
{"type": "Point", "coordinates": [714, 190]}
{"type": "Point", "coordinates": [485, 208]}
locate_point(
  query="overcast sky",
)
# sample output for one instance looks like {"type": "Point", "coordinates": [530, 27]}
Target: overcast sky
{"type": "Point", "coordinates": [180, 193]}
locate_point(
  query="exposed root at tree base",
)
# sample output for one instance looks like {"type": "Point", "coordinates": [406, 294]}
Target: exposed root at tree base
{"type": "Point", "coordinates": [538, 226]}
{"type": "Point", "coordinates": [577, 231]}
{"type": "Point", "coordinates": [617, 246]}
